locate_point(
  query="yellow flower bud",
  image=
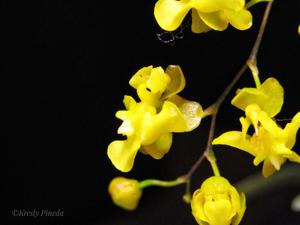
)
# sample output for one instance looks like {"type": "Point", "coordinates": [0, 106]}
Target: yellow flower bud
{"type": "Point", "coordinates": [125, 193]}
{"type": "Point", "coordinates": [217, 202]}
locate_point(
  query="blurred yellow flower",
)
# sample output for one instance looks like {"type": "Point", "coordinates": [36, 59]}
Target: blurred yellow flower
{"type": "Point", "coordinates": [206, 15]}
{"type": "Point", "coordinates": [269, 143]}
{"type": "Point", "coordinates": [217, 202]}
{"type": "Point", "coordinates": [149, 124]}
{"type": "Point", "coordinates": [125, 193]}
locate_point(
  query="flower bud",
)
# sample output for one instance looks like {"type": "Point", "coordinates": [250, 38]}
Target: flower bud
{"type": "Point", "coordinates": [125, 193]}
{"type": "Point", "coordinates": [217, 202]}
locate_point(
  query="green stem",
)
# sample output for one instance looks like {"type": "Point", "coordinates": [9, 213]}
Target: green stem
{"type": "Point", "coordinates": [161, 183]}
{"type": "Point", "coordinates": [255, 73]}
{"type": "Point", "coordinates": [187, 196]}
{"type": "Point", "coordinates": [213, 163]}
{"type": "Point", "coordinates": [209, 111]}
{"type": "Point", "coordinates": [209, 153]}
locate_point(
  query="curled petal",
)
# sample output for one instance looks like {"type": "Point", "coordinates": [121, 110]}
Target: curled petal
{"type": "Point", "coordinates": [192, 111]}
{"type": "Point", "coordinates": [122, 153]}
{"type": "Point", "coordinates": [198, 26]}
{"type": "Point", "coordinates": [291, 130]}
{"type": "Point", "coordinates": [269, 97]}
{"type": "Point", "coordinates": [170, 13]}
{"type": "Point", "coordinates": [216, 20]}
{"type": "Point", "coordinates": [241, 20]}
{"type": "Point", "coordinates": [235, 199]}
{"type": "Point", "coordinates": [177, 82]}
{"type": "Point", "coordinates": [169, 119]}
{"type": "Point", "coordinates": [197, 204]}
{"type": "Point", "coordinates": [235, 139]}
{"type": "Point", "coordinates": [249, 96]}
{"type": "Point", "coordinates": [160, 147]}
{"type": "Point", "coordinates": [275, 92]}
{"type": "Point", "coordinates": [268, 168]}
{"type": "Point", "coordinates": [129, 102]}
{"type": "Point", "coordinates": [240, 213]}
{"type": "Point", "coordinates": [140, 77]}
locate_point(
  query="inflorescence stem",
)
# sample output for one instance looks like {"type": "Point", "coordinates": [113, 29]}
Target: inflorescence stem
{"type": "Point", "coordinates": [251, 63]}
{"type": "Point", "coordinates": [161, 183]}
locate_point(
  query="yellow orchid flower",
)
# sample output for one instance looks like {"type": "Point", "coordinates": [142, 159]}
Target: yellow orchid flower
{"type": "Point", "coordinates": [269, 97]}
{"type": "Point", "coordinates": [217, 202]}
{"type": "Point", "coordinates": [125, 192]}
{"type": "Point", "coordinates": [149, 124]}
{"type": "Point", "coordinates": [206, 15]}
{"type": "Point", "coordinates": [269, 143]}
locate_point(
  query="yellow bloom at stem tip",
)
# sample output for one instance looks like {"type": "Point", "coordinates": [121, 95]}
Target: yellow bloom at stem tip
{"type": "Point", "coordinates": [269, 143]}
{"type": "Point", "coordinates": [148, 124]}
{"type": "Point", "coordinates": [125, 192]}
{"type": "Point", "coordinates": [206, 14]}
{"type": "Point", "coordinates": [217, 202]}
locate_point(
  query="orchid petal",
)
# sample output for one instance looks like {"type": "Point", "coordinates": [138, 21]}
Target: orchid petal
{"type": "Point", "coordinates": [122, 153]}
{"type": "Point", "coordinates": [198, 26]}
{"type": "Point", "coordinates": [169, 14]}
{"type": "Point", "coordinates": [241, 20]}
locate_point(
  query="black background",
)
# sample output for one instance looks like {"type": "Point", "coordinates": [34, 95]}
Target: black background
{"type": "Point", "coordinates": [65, 69]}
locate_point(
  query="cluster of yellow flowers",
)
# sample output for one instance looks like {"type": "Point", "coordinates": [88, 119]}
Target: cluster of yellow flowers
{"type": "Point", "coordinates": [149, 124]}
{"type": "Point", "coordinates": [269, 143]}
